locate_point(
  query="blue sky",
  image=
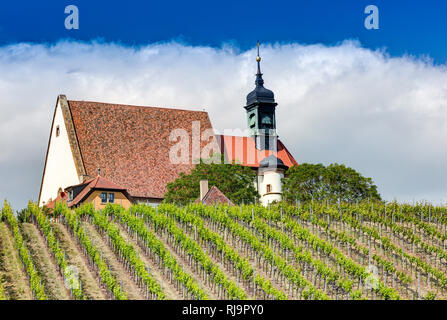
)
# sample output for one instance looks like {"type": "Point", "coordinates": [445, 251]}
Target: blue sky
{"type": "Point", "coordinates": [406, 27]}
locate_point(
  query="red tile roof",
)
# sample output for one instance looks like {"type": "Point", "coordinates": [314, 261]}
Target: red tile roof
{"type": "Point", "coordinates": [243, 150]}
{"type": "Point", "coordinates": [213, 196]}
{"type": "Point", "coordinates": [130, 144]}
{"type": "Point", "coordinates": [102, 183]}
{"type": "Point", "coordinates": [61, 197]}
{"type": "Point", "coordinates": [94, 184]}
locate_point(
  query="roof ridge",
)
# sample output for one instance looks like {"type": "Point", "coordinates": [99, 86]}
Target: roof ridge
{"type": "Point", "coordinates": [214, 193]}
{"type": "Point", "coordinates": [228, 135]}
{"type": "Point", "coordinates": [135, 106]}
{"type": "Point", "coordinates": [213, 187]}
{"type": "Point", "coordinates": [207, 193]}
{"type": "Point", "coordinates": [247, 137]}
{"type": "Point", "coordinates": [96, 180]}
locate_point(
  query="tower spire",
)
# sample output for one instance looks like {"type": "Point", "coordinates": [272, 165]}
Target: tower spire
{"type": "Point", "coordinates": [259, 81]}
{"type": "Point", "coordinates": [261, 112]}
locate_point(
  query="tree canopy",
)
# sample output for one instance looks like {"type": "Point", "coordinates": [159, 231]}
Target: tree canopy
{"type": "Point", "coordinates": [234, 180]}
{"type": "Point", "coordinates": [333, 182]}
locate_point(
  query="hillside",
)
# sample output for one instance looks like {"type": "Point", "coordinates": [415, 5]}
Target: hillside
{"type": "Point", "coordinates": [306, 251]}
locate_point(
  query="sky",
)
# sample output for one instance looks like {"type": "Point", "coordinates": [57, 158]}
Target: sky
{"type": "Point", "coordinates": [374, 100]}
{"type": "Point", "coordinates": [406, 27]}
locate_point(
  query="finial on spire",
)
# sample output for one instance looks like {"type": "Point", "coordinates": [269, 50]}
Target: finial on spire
{"type": "Point", "coordinates": [258, 59]}
{"type": "Point", "coordinates": [259, 81]}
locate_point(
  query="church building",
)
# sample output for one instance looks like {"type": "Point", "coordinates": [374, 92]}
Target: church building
{"type": "Point", "coordinates": [131, 146]}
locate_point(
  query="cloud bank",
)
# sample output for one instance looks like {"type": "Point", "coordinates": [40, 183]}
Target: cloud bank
{"type": "Point", "coordinates": [384, 116]}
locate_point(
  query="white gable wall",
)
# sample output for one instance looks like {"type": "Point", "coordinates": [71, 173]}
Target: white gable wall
{"type": "Point", "coordinates": [60, 171]}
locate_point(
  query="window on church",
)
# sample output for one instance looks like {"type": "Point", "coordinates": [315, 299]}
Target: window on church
{"type": "Point", "coordinates": [111, 197]}
{"type": "Point", "coordinates": [252, 120]}
{"type": "Point", "coordinates": [103, 197]}
{"type": "Point", "coordinates": [58, 131]}
{"type": "Point", "coordinates": [269, 188]}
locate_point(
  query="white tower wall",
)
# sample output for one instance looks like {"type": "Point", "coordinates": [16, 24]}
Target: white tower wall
{"type": "Point", "coordinates": [270, 177]}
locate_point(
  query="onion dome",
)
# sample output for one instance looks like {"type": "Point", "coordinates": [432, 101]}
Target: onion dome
{"type": "Point", "coordinates": [272, 162]}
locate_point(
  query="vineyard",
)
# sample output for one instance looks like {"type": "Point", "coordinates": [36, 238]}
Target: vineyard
{"type": "Point", "coordinates": [306, 251]}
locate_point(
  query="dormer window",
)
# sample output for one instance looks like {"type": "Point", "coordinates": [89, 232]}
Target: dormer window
{"type": "Point", "coordinates": [58, 131]}
{"type": "Point", "coordinates": [70, 195]}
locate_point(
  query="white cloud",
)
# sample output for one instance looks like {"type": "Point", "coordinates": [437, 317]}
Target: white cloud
{"type": "Point", "coordinates": [383, 116]}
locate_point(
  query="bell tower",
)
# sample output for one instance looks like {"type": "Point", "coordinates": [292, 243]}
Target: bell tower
{"type": "Point", "coordinates": [261, 113]}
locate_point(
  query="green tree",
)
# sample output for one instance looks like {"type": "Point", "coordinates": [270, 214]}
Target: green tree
{"type": "Point", "coordinates": [333, 182]}
{"type": "Point", "coordinates": [234, 180]}
{"type": "Point", "coordinates": [304, 181]}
